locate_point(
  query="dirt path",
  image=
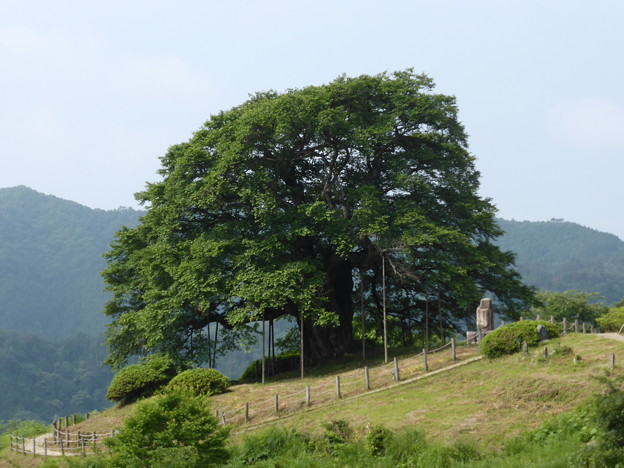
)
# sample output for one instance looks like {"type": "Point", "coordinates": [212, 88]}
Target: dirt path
{"type": "Point", "coordinates": [611, 336]}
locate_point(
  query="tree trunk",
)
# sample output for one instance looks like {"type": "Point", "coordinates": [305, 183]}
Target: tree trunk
{"type": "Point", "coordinates": [323, 342]}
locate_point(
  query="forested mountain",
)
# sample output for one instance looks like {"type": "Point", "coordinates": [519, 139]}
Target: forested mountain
{"type": "Point", "coordinates": [559, 256]}
{"type": "Point", "coordinates": [50, 262]}
{"type": "Point", "coordinates": [41, 379]}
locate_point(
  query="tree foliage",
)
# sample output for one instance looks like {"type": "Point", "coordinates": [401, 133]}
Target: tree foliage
{"type": "Point", "coordinates": [571, 305]}
{"type": "Point", "coordinates": [273, 207]}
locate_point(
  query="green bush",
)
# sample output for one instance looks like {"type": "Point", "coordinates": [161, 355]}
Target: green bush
{"type": "Point", "coordinates": [613, 320]}
{"type": "Point", "coordinates": [175, 429]}
{"type": "Point", "coordinates": [508, 338]}
{"type": "Point", "coordinates": [200, 382]}
{"type": "Point", "coordinates": [283, 363]}
{"type": "Point", "coordinates": [139, 380]}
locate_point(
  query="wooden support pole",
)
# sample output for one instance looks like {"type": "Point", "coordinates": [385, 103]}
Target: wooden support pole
{"type": "Point", "coordinates": [545, 352]}
{"type": "Point", "coordinates": [552, 319]}
{"type": "Point", "coordinates": [366, 378]}
{"type": "Point", "coordinates": [308, 396]}
{"type": "Point", "coordinates": [45, 448]}
{"type": "Point", "coordinates": [565, 326]}
{"type": "Point", "coordinates": [425, 360]}
{"type": "Point", "coordinates": [584, 328]}
{"type": "Point", "coordinates": [397, 376]}
{"type": "Point", "coordinates": [82, 446]}
{"type": "Point", "coordinates": [338, 394]}
{"type": "Point", "coordinates": [66, 422]}
{"type": "Point", "coordinates": [525, 348]}
{"type": "Point", "coordinates": [576, 326]}
{"type": "Point", "coordinates": [453, 350]}
{"type": "Point", "coordinates": [246, 412]}
{"type": "Point", "coordinates": [591, 330]}
{"type": "Point", "coordinates": [276, 403]}
{"type": "Point", "coordinates": [24, 445]}
{"type": "Point", "coordinates": [62, 447]}
{"type": "Point", "coordinates": [74, 419]}
{"type": "Point", "coordinates": [611, 361]}
{"type": "Point", "coordinates": [34, 447]}
{"type": "Point", "coordinates": [223, 418]}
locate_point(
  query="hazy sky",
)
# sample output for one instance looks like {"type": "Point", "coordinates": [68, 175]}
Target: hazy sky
{"type": "Point", "coordinates": [93, 93]}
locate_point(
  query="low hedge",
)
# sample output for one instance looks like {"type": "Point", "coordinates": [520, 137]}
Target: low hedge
{"type": "Point", "coordinates": [283, 363]}
{"type": "Point", "coordinates": [508, 338]}
{"type": "Point", "coordinates": [140, 380]}
{"type": "Point", "coordinates": [200, 381]}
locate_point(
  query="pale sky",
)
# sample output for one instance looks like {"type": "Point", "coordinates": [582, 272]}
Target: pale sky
{"type": "Point", "coordinates": [93, 93]}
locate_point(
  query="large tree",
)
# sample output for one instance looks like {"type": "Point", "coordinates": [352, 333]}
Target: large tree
{"type": "Point", "coordinates": [278, 206]}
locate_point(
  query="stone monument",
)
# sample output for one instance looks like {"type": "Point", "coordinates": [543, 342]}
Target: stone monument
{"type": "Point", "coordinates": [485, 316]}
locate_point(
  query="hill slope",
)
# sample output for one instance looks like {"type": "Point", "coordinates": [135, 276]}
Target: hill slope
{"type": "Point", "coordinates": [561, 256]}
{"type": "Point", "coordinates": [50, 259]}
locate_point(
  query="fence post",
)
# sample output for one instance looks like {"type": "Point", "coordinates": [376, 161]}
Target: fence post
{"type": "Point", "coordinates": [591, 329]}
{"type": "Point", "coordinates": [453, 350]}
{"type": "Point", "coordinates": [45, 448]}
{"type": "Point", "coordinates": [87, 416]}
{"type": "Point", "coordinates": [11, 442]}
{"type": "Point", "coordinates": [397, 376]}
{"type": "Point", "coordinates": [82, 446]}
{"type": "Point", "coordinates": [525, 348]}
{"type": "Point", "coordinates": [276, 403]}
{"type": "Point", "coordinates": [611, 361]}
{"type": "Point", "coordinates": [576, 326]}
{"type": "Point", "coordinates": [34, 447]}
{"type": "Point", "coordinates": [366, 378]}
{"type": "Point", "coordinates": [94, 438]}
{"type": "Point", "coordinates": [74, 419]}
{"type": "Point", "coordinates": [584, 328]}
{"type": "Point", "coordinates": [565, 326]}
{"type": "Point", "coordinates": [62, 447]}
{"type": "Point", "coordinates": [223, 418]}
{"type": "Point", "coordinates": [521, 318]}
{"type": "Point", "coordinates": [545, 352]}
{"type": "Point", "coordinates": [308, 396]}
{"type": "Point", "coordinates": [24, 445]}
{"type": "Point", "coordinates": [552, 319]}
{"type": "Point", "coordinates": [246, 412]}
{"type": "Point", "coordinates": [338, 395]}
{"type": "Point", "coordinates": [66, 422]}
{"type": "Point", "coordinates": [425, 360]}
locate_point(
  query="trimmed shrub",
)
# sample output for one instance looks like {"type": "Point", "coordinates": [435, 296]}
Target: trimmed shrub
{"type": "Point", "coordinates": [200, 381]}
{"type": "Point", "coordinates": [613, 320]}
{"type": "Point", "coordinates": [175, 429]}
{"type": "Point", "coordinates": [508, 339]}
{"type": "Point", "coordinates": [140, 380]}
{"type": "Point", "coordinates": [283, 363]}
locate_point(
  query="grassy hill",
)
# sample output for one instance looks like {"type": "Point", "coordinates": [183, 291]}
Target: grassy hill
{"type": "Point", "coordinates": [485, 403]}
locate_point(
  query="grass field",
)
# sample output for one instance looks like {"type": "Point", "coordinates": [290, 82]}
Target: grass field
{"type": "Point", "coordinates": [486, 402]}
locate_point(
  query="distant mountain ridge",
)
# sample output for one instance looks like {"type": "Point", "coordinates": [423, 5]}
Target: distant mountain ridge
{"type": "Point", "coordinates": [557, 255]}
{"type": "Point", "coordinates": [50, 262]}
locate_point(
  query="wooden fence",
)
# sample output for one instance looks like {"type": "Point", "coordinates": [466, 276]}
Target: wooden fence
{"type": "Point", "coordinates": [60, 442]}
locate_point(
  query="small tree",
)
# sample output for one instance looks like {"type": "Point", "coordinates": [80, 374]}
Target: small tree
{"type": "Point", "coordinates": [571, 305]}
{"type": "Point", "coordinates": [175, 429]}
